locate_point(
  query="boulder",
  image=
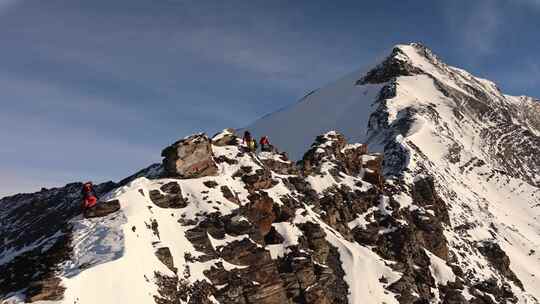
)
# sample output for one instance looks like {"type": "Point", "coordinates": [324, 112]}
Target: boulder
{"type": "Point", "coordinates": [279, 163]}
{"type": "Point", "coordinates": [172, 197]}
{"type": "Point", "coordinates": [372, 165]}
{"type": "Point", "coordinates": [102, 209]}
{"type": "Point", "coordinates": [164, 255]}
{"type": "Point", "coordinates": [49, 289]}
{"type": "Point", "coordinates": [190, 157]}
{"type": "Point", "coordinates": [227, 193]}
{"type": "Point", "coordinates": [226, 137]}
{"type": "Point", "coordinates": [258, 180]}
{"type": "Point", "coordinates": [260, 211]}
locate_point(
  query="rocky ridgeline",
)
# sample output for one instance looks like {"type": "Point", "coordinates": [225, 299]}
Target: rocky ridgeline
{"type": "Point", "coordinates": [281, 243]}
{"type": "Point", "coordinates": [311, 270]}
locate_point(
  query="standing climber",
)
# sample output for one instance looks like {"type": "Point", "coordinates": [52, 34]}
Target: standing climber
{"type": "Point", "coordinates": [247, 138]}
{"type": "Point", "coordinates": [90, 197]}
{"type": "Point", "coordinates": [250, 142]}
{"type": "Point", "coordinates": [265, 144]}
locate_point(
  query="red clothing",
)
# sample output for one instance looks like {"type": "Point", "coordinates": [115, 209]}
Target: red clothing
{"type": "Point", "coordinates": [264, 141]}
{"type": "Point", "coordinates": [89, 196]}
{"type": "Point", "coordinates": [90, 201]}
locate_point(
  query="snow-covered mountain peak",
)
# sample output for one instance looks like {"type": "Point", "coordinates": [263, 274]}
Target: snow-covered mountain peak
{"type": "Point", "coordinates": [431, 119]}
{"type": "Point", "coordinates": [420, 184]}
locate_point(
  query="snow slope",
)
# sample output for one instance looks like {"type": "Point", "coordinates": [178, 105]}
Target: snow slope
{"type": "Point", "coordinates": [294, 128]}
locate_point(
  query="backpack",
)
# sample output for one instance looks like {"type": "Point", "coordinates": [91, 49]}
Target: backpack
{"type": "Point", "coordinates": [253, 144]}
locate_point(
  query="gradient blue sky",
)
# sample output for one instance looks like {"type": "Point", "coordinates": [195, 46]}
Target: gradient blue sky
{"type": "Point", "coordinates": [94, 89]}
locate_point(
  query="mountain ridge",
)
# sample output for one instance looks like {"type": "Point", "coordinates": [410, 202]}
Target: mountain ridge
{"type": "Point", "coordinates": [430, 195]}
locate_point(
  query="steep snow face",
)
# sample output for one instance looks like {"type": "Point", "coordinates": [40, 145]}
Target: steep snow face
{"type": "Point", "coordinates": [341, 105]}
{"type": "Point", "coordinates": [479, 145]}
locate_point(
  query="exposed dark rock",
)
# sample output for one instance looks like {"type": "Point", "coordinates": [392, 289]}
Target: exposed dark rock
{"type": "Point", "coordinates": [391, 68]}
{"type": "Point", "coordinates": [260, 211]}
{"type": "Point", "coordinates": [225, 159]}
{"type": "Point", "coordinates": [225, 138]}
{"type": "Point", "coordinates": [227, 193]}
{"type": "Point", "coordinates": [164, 255]}
{"type": "Point", "coordinates": [273, 237]}
{"type": "Point", "coordinates": [280, 164]}
{"type": "Point", "coordinates": [499, 260]}
{"type": "Point", "coordinates": [452, 296]}
{"type": "Point", "coordinates": [49, 289]}
{"type": "Point", "coordinates": [259, 180]}
{"type": "Point", "coordinates": [28, 220]}
{"type": "Point", "coordinates": [373, 173]}
{"type": "Point", "coordinates": [171, 199]}
{"type": "Point", "coordinates": [102, 209]}
{"type": "Point", "coordinates": [171, 188]}
{"type": "Point", "coordinates": [190, 158]}
{"type": "Point", "coordinates": [210, 184]}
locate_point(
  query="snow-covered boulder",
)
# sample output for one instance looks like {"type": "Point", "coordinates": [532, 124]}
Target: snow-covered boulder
{"type": "Point", "coordinates": [225, 138]}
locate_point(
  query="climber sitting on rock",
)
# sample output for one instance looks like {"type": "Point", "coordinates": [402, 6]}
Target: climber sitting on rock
{"type": "Point", "coordinates": [265, 144]}
{"type": "Point", "coordinates": [90, 206]}
{"type": "Point", "coordinates": [90, 197]}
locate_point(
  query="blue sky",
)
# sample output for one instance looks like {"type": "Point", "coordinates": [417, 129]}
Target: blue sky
{"type": "Point", "coordinates": [95, 89]}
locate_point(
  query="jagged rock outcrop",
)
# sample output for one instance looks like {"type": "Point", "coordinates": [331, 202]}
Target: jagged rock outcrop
{"type": "Point", "coordinates": [227, 137]}
{"type": "Point", "coordinates": [190, 157]}
{"type": "Point", "coordinates": [169, 196]}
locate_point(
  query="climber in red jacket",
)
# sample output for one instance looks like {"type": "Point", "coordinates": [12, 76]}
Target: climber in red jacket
{"type": "Point", "coordinates": [265, 144]}
{"type": "Point", "coordinates": [90, 197]}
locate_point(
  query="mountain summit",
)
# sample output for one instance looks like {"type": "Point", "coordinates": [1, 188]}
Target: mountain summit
{"type": "Point", "coordinates": [416, 183]}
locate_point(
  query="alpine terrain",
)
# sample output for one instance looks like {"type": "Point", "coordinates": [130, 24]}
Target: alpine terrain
{"type": "Point", "coordinates": [416, 182]}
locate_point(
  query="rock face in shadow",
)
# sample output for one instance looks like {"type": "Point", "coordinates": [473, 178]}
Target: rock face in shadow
{"type": "Point", "coordinates": [190, 158]}
{"type": "Point", "coordinates": [40, 222]}
{"type": "Point", "coordinates": [500, 260]}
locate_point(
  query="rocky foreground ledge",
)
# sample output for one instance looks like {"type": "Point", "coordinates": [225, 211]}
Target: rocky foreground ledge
{"type": "Point", "coordinates": [251, 228]}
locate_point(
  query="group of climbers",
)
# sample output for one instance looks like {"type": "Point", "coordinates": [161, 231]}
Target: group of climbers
{"type": "Point", "coordinates": [251, 143]}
